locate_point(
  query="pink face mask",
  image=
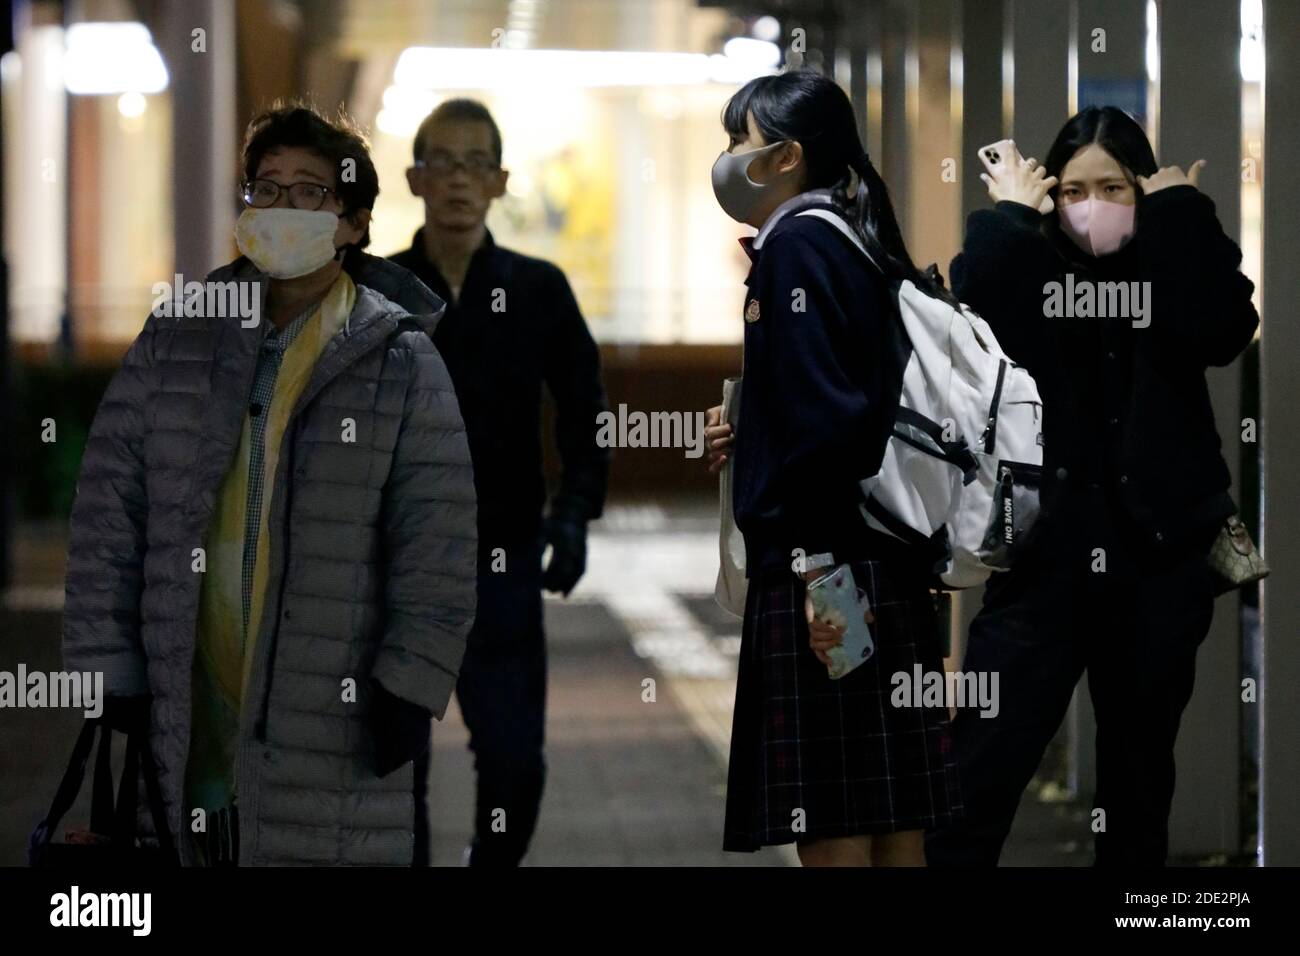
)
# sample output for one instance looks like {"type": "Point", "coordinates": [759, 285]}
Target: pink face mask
{"type": "Point", "coordinates": [1098, 227]}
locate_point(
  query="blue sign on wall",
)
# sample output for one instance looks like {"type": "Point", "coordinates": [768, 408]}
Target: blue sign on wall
{"type": "Point", "coordinates": [1129, 95]}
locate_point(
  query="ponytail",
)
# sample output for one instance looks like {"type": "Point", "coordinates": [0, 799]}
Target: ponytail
{"type": "Point", "coordinates": [871, 213]}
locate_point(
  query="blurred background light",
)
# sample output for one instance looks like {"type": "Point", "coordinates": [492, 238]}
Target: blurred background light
{"type": "Point", "coordinates": [1153, 43]}
{"type": "Point", "coordinates": [759, 55]}
{"type": "Point", "coordinates": [112, 58]}
{"type": "Point", "coordinates": [131, 104]}
{"type": "Point", "coordinates": [447, 68]}
{"type": "Point", "coordinates": [1252, 41]}
{"type": "Point", "coordinates": [766, 28]}
{"type": "Point", "coordinates": [404, 108]}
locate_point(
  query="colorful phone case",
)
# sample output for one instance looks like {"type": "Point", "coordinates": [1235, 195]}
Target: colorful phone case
{"type": "Point", "coordinates": [837, 598]}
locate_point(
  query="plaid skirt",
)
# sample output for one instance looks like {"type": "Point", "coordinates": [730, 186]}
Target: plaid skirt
{"type": "Point", "coordinates": [813, 757]}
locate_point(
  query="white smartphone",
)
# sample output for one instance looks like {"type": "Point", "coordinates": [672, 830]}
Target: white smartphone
{"type": "Point", "coordinates": [837, 599]}
{"type": "Point", "coordinates": [999, 156]}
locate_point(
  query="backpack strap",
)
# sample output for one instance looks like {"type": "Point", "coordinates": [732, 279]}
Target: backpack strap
{"type": "Point", "coordinates": [955, 453]}
{"type": "Point", "coordinates": [831, 213]}
{"type": "Point", "coordinates": [934, 550]}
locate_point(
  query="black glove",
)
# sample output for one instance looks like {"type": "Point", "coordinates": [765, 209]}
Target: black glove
{"type": "Point", "coordinates": [400, 728]}
{"type": "Point", "coordinates": [565, 530]}
{"type": "Point", "coordinates": [126, 714]}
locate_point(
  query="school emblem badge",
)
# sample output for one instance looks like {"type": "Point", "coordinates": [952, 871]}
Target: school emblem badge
{"type": "Point", "coordinates": [751, 311]}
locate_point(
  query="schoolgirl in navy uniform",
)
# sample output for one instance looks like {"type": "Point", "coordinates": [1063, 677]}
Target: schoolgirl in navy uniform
{"type": "Point", "coordinates": [830, 765]}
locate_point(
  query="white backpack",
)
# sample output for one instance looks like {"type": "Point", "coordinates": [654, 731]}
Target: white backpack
{"type": "Point", "coordinates": [961, 472]}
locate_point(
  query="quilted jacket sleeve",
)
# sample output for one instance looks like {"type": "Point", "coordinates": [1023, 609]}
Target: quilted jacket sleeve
{"type": "Point", "coordinates": [106, 547]}
{"type": "Point", "coordinates": [431, 537]}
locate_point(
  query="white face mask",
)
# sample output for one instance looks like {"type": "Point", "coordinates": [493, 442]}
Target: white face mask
{"type": "Point", "coordinates": [287, 243]}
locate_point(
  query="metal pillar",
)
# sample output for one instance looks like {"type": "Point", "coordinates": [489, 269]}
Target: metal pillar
{"type": "Point", "coordinates": [1110, 55]}
{"type": "Point", "coordinates": [1200, 118]}
{"type": "Point", "coordinates": [1280, 384]}
{"type": "Point", "coordinates": [981, 95]}
{"type": "Point", "coordinates": [1039, 41]}
{"type": "Point", "coordinates": [204, 157]}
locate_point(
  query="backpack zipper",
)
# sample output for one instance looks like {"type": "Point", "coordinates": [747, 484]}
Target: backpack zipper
{"type": "Point", "coordinates": [991, 429]}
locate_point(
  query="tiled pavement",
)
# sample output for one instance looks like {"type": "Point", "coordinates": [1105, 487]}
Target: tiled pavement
{"type": "Point", "coordinates": [630, 783]}
{"type": "Point", "coordinates": [644, 783]}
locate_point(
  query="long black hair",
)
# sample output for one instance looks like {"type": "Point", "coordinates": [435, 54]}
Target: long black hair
{"type": "Point", "coordinates": [1113, 130]}
{"type": "Point", "coordinates": [811, 109]}
{"type": "Point", "coordinates": [1110, 128]}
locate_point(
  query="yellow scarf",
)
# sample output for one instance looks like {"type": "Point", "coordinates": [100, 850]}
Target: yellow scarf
{"type": "Point", "coordinates": [223, 658]}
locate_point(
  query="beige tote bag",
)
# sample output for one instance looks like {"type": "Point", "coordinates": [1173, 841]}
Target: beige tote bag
{"type": "Point", "coordinates": [730, 589]}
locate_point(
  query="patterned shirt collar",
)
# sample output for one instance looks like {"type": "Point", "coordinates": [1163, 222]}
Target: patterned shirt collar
{"type": "Point", "coordinates": [278, 340]}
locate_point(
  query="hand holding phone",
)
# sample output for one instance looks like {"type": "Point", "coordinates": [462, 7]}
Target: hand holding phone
{"type": "Point", "coordinates": [1012, 177]}
{"type": "Point", "coordinates": [837, 600]}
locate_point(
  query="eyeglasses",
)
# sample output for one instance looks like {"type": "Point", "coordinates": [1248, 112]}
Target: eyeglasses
{"type": "Point", "coordinates": [262, 193]}
{"type": "Point", "coordinates": [441, 163]}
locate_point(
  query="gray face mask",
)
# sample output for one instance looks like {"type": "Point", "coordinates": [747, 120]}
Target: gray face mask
{"type": "Point", "coordinates": [737, 194]}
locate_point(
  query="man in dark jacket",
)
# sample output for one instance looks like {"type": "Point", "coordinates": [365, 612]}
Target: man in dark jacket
{"type": "Point", "coordinates": [512, 325]}
{"type": "Point", "coordinates": [273, 535]}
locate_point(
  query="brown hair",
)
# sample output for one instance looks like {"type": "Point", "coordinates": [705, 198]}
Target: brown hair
{"type": "Point", "coordinates": [299, 124]}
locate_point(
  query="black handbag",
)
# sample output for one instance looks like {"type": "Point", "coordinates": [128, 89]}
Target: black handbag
{"type": "Point", "coordinates": [111, 840]}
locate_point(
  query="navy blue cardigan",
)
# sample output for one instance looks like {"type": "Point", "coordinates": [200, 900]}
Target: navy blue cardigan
{"type": "Point", "coordinates": [819, 394]}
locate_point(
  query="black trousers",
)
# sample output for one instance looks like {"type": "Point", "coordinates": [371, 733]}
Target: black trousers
{"type": "Point", "coordinates": [1135, 629]}
{"type": "Point", "coordinates": [502, 695]}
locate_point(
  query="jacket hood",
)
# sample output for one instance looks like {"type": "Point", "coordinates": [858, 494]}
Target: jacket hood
{"type": "Point", "coordinates": [397, 285]}
{"type": "Point", "coordinates": [392, 283]}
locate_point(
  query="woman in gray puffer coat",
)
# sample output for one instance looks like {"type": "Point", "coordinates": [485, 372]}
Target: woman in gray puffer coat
{"type": "Point", "coordinates": [367, 584]}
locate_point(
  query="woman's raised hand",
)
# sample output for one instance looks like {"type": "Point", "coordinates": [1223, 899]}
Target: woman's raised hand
{"type": "Point", "coordinates": [1171, 176]}
{"type": "Point", "coordinates": [718, 434]}
{"type": "Point", "coordinates": [1025, 182]}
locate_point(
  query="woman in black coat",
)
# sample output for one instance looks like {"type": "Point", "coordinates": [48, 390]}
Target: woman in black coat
{"type": "Point", "coordinates": [1116, 301]}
